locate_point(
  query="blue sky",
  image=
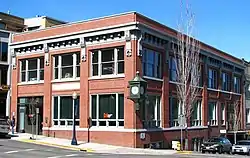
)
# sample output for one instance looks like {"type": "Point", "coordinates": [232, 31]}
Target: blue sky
{"type": "Point", "coordinates": [224, 24]}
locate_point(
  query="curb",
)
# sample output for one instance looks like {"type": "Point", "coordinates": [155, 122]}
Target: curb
{"type": "Point", "coordinates": [56, 145]}
{"type": "Point", "coordinates": [184, 152]}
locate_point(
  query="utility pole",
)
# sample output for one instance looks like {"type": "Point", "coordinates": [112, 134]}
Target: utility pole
{"type": "Point", "coordinates": [37, 113]}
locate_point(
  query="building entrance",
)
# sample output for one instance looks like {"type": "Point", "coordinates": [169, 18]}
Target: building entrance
{"type": "Point", "coordinates": [27, 114]}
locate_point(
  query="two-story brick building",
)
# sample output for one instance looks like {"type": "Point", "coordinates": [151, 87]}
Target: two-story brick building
{"type": "Point", "coordinates": [96, 59]}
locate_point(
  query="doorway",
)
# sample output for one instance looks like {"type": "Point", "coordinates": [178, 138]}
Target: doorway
{"type": "Point", "coordinates": [27, 114]}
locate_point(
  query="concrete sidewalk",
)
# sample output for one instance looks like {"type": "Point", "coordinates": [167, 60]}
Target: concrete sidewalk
{"type": "Point", "coordinates": [88, 147]}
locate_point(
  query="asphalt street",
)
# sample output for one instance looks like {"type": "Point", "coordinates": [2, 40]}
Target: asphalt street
{"type": "Point", "coordinates": [14, 149]}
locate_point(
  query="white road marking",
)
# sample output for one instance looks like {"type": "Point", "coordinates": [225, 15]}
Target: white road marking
{"type": "Point", "coordinates": [54, 156]}
{"type": "Point", "coordinates": [71, 155]}
{"type": "Point", "coordinates": [28, 149]}
{"type": "Point", "coordinates": [9, 152]}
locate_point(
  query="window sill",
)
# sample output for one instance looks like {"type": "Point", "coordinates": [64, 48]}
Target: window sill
{"type": "Point", "coordinates": [106, 77]}
{"type": "Point", "coordinates": [219, 90]}
{"type": "Point", "coordinates": [66, 80]}
{"type": "Point", "coordinates": [31, 82]}
{"type": "Point", "coordinates": [153, 78]}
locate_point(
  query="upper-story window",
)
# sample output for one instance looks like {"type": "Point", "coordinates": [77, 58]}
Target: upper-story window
{"type": "Point", "coordinates": [172, 69]}
{"type": "Point", "coordinates": [212, 79]}
{"type": "Point", "coordinates": [67, 66]}
{"type": "Point", "coordinates": [107, 61]}
{"type": "Point", "coordinates": [225, 81]}
{"type": "Point", "coordinates": [152, 62]}
{"type": "Point", "coordinates": [3, 51]}
{"type": "Point", "coordinates": [32, 70]}
{"type": "Point", "coordinates": [236, 84]}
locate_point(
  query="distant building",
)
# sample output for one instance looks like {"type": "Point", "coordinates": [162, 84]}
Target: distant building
{"type": "Point", "coordinates": [247, 95]}
{"type": "Point", "coordinates": [40, 22]}
{"type": "Point", "coordinates": [10, 24]}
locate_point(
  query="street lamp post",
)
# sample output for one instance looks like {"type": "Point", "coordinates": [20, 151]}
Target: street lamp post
{"type": "Point", "coordinates": [74, 141]}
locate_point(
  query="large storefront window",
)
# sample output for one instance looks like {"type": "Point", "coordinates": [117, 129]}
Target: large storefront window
{"type": "Point", "coordinates": [107, 110]}
{"type": "Point", "coordinates": [152, 62]}
{"type": "Point", "coordinates": [67, 66]}
{"type": "Point", "coordinates": [152, 112]}
{"type": "Point", "coordinates": [107, 61]}
{"type": "Point", "coordinates": [63, 110]}
{"type": "Point", "coordinates": [32, 70]}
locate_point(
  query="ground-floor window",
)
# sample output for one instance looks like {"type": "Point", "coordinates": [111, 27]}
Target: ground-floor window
{"type": "Point", "coordinates": [212, 105]}
{"type": "Point", "coordinates": [248, 115]}
{"type": "Point", "coordinates": [151, 112]}
{"type": "Point", "coordinates": [223, 114]}
{"type": "Point", "coordinates": [107, 110]}
{"type": "Point", "coordinates": [196, 118]}
{"type": "Point", "coordinates": [63, 110]}
{"type": "Point", "coordinates": [174, 112]}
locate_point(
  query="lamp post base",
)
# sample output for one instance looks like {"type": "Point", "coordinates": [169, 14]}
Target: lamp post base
{"type": "Point", "coordinates": [74, 141]}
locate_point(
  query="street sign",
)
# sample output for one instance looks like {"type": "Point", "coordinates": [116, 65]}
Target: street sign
{"type": "Point", "coordinates": [181, 120]}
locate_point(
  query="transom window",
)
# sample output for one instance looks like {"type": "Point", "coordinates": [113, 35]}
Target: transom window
{"type": "Point", "coordinates": [107, 61]}
{"type": "Point", "coordinates": [66, 66]}
{"type": "Point", "coordinates": [226, 81]}
{"type": "Point", "coordinates": [212, 79]}
{"type": "Point", "coordinates": [151, 112]}
{"type": "Point", "coordinates": [32, 70]}
{"type": "Point", "coordinates": [152, 62]}
{"type": "Point", "coordinates": [63, 111]}
{"type": "Point", "coordinates": [107, 110]}
{"type": "Point", "coordinates": [236, 84]}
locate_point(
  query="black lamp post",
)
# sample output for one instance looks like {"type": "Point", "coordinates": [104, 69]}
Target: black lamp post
{"type": "Point", "coordinates": [74, 141]}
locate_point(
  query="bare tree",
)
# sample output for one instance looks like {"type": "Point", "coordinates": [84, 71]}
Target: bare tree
{"type": "Point", "coordinates": [187, 60]}
{"type": "Point", "coordinates": [235, 117]}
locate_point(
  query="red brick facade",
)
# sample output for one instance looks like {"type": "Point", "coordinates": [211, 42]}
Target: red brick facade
{"type": "Point", "coordinates": [130, 134]}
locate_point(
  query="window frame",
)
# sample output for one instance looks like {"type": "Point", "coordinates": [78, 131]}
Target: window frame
{"type": "Point", "coordinates": [58, 75]}
{"type": "Point", "coordinates": [248, 115]}
{"type": "Point", "coordinates": [214, 120]}
{"type": "Point", "coordinates": [157, 67]}
{"type": "Point", "coordinates": [223, 113]}
{"type": "Point", "coordinates": [226, 81]}
{"type": "Point", "coordinates": [156, 121]}
{"type": "Point", "coordinates": [26, 71]}
{"type": "Point", "coordinates": [117, 120]}
{"type": "Point", "coordinates": [237, 80]}
{"type": "Point", "coordinates": [213, 79]}
{"type": "Point", "coordinates": [58, 112]}
{"type": "Point", "coordinates": [198, 120]}
{"type": "Point", "coordinates": [172, 69]}
{"type": "Point", "coordinates": [99, 63]}
{"type": "Point", "coordinates": [1, 51]}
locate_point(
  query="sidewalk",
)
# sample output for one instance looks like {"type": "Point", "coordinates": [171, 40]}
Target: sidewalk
{"type": "Point", "coordinates": [88, 147]}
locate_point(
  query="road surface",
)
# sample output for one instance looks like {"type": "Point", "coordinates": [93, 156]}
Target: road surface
{"type": "Point", "coordinates": [14, 149]}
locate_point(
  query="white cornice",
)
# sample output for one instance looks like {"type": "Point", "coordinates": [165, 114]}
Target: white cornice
{"type": "Point", "coordinates": [85, 33]}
